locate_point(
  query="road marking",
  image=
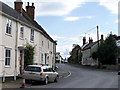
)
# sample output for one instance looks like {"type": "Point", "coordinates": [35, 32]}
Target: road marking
{"type": "Point", "coordinates": [68, 74]}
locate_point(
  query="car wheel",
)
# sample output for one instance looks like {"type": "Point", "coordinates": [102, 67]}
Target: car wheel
{"type": "Point", "coordinates": [56, 79]}
{"type": "Point", "coordinates": [28, 81]}
{"type": "Point", "coordinates": [46, 81]}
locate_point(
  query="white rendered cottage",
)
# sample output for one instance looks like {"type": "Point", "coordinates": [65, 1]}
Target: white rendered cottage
{"type": "Point", "coordinates": [17, 28]}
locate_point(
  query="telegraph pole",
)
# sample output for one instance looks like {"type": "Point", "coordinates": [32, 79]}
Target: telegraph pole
{"type": "Point", "coordinates": [98, 35]}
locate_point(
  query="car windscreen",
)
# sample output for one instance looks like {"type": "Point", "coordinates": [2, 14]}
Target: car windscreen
{"type": "Point", "coordinates": [33, 69]}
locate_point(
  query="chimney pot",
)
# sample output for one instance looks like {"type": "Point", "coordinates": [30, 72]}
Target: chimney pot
{"type": "Point", "coordinates": [28, 3]}
{"type": "Point", "coordinates": [30, 10]}
{"type": "Point", "coordinates": [84, 40]}
{"type": "Point", "coordinates": [32, 4]}
{"type": "Point", "coordinates": [102, 37]}
{"type": "Point", "coordinates": [90, 40]}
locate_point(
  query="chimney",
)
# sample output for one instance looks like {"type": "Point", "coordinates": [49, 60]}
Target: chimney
{"type": "Point", "coordinates": [84, 40]}
{"type": "Point", "coordinates": [30, 10]}
{"type": "Point", "coordinates": [18, 6]}
{"type": "Point", "coordinates": [102, 37]}
{"type": "Point", "coordinates": [90, 40]}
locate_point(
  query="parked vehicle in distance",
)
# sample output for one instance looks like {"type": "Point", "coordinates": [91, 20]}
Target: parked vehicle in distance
{"type": "Point", "coordinates": [40, 73]}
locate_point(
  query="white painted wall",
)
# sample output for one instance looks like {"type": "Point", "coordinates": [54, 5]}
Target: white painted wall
{"type": "Point", "coordinates": [1, 47]}
{"type": "Point", "coordinates": [9, 42]}
{"type": "Point", "coordinates": [86, 59]}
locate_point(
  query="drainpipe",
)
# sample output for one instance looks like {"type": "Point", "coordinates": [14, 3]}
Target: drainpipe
{"type": "Point", "coordinates": [16, 43]}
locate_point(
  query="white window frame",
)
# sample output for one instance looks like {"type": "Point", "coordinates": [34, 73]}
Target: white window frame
{"type": "Point", "coordinates": [9, 27]}
{"type": "Point", "coordinates": [21, 32]}
{"type": "Point", "coordinates": [8, 52]}
{"type": "Point", "coordinates": [32, 35]}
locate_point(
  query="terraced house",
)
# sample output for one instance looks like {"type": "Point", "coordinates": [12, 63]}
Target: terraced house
{"type": "Point", "coordinates": [18, 28]}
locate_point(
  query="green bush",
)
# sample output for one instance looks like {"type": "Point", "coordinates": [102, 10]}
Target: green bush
{"type": "Point", "coordinates": [28, 55]}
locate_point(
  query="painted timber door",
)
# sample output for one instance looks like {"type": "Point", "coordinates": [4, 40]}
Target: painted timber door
{"type": "Point", "coordinates": [21, 57]}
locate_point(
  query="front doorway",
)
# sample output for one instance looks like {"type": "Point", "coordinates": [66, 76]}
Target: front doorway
{"type": "Point", "coordinates": [21, 61]}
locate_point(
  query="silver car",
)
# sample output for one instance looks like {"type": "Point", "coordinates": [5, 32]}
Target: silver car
{"type": "Point", "coordinates": [40, 73]}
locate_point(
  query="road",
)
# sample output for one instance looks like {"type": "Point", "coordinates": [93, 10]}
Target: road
{"type": "Point", "coordinates": [83, 78]}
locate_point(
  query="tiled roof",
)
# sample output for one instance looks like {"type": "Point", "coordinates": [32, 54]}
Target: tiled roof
{"type": "Point", "coordinates": [24, 18]}
{"type": "Point", "coordinates": [89, 45]}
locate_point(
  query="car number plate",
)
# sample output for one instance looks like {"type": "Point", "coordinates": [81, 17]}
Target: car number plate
{"type": "Point", "coordinates": [32, 73]}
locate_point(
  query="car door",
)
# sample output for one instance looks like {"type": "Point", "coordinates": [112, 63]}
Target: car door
{"type": "Point", "coordinates": [53, 74]}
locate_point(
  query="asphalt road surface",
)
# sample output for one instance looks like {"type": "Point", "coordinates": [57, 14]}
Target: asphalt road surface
{"type": "Point", "coordinates": [83, 78]}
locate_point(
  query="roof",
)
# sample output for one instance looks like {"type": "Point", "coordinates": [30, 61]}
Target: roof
{"type": "Point", "coordinates": [24, 18]}
{"type": "Point", "coordinates": [89, 45]}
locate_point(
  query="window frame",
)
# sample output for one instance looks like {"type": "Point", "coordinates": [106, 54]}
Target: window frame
{"type": "Point", "coordinates": [32, 35]}
{"type": "Point", "coordinates": [8, 62]}
{"type": "Point", "coordinates": [8, 27]}
{"type": "Point", "coordinates": [22, 32]}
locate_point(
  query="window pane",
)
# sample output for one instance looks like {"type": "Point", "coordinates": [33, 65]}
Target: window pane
{"type": "Point", "coordinates": [32, 35]}
{"type": "Point", "coordinates": [7, 56]}
{"type": "Point", "coordinates": [5, 61]}
{"type": "Point", "coordinates": [21, 32]}
{"type": "Point", "coordinates": [8, 26]}
{"type": "Point", "coordinates": [9, 53]}
{"type": "Point", "coordinates": [8, 61]}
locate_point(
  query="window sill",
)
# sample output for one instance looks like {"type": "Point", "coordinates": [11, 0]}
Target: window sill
{"type": "Point", "coordinates": [21, 38]}
{"type": "Point", "coordinates": [8, 34]}
{"type": "Point", "coordinates": [7, 66]}
{"type": "Point", "coordinates": [31, 41]}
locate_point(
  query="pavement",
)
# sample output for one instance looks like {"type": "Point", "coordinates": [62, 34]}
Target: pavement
{"type": "Point", "coordinates": [18, 83]}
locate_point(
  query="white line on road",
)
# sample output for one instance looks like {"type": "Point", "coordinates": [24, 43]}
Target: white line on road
{"type": "Point", "coordinates": [68, 74]}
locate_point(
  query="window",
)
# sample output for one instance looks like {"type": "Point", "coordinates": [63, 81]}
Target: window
{"type": "Point", "coordinates": [9, 27]}
{"type": "Point", "coordinates": [32, 35]}
{"type": "Point", "coordinates": [33, 69]}
{"type": "Point", "coordinates": [7, 56]}
{"type": "Point", "coordinates": [56, 57]}
{"type": "Point", "coordinates": [42, 43]}
{"type": "Point", "coordinates": [48, 44]}
{"type": "Point", "coordinates": [47, 70]}
{"type": "Point", "coordinates": [41, 58]}
{"type": "Point", "coordinates": [21, 32]}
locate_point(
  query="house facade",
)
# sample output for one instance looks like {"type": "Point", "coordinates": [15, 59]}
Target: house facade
{"type": "Point", "coordinates": [59, 58]}
{"type": "Point", "coordinates": [18, 28]}
{"type": "Point", "coordinates": [87, 50]}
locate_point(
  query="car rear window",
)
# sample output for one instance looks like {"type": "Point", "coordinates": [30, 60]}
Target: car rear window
{"type": "Point", "coordinates": [34, 69]}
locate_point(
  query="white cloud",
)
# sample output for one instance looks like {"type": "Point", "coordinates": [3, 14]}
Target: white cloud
{"type": "Point", "coordinates": [52, 7]}
{"type": "Point", "coordinates": [57, 37]}
{"type": "Point", "coordinates": [71, 18]}
{"type": "Point", "coordinates": [57, 7]}
{"type": "Point", "coordinates": [111, 5]}
{"type": "Point", "coordinates": [64, 7]}
{"type": "Point", "coordinates": [77, 18]}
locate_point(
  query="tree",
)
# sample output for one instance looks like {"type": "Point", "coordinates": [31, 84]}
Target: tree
{"type": "Point", "coordinates": [75, 55]}
{"type": "Point", "coordinates": [94, 55]}
{"type": "Point", "coordinates": [29, 55]}
{"type": "Point", "coordinates": [107, 51]}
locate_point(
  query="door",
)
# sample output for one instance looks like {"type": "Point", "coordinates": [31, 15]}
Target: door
{"type": "Point", "coordinates": [21, 58]}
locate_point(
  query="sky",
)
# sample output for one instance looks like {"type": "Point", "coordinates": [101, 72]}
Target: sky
{"type": "Point", "coordinates": [68, 21]}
